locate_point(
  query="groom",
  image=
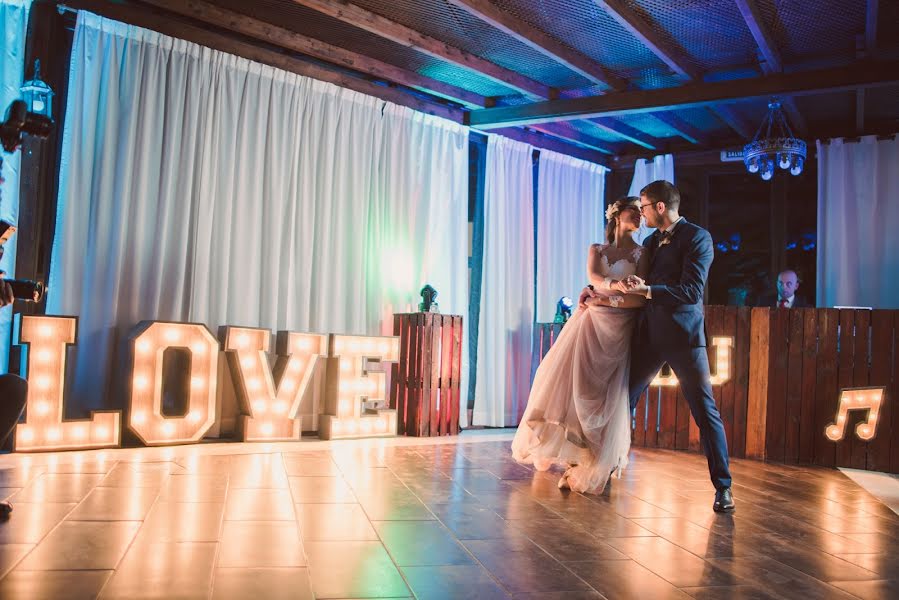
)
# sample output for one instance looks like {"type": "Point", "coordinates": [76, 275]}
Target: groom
{"type": "Point", "coordinates": [672, 327]}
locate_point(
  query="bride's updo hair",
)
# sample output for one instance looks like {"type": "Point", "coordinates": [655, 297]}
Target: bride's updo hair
{"type": "Point", "coordinates": [625, 209]}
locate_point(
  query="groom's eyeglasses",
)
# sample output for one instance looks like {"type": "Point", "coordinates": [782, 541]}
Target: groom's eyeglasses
{"type": "Point", "coordinates": [642, 206]}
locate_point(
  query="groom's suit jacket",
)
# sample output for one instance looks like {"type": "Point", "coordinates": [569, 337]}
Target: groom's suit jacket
{"type": "Point", "coordinates": [673, 317]}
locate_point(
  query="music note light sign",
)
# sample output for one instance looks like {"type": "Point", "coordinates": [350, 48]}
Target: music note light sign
{"type": "Point", "coordinates": [868, 399]}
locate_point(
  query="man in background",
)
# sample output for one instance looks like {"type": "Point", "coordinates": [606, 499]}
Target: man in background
{"type": "Point", "coordinates": [786, 297]}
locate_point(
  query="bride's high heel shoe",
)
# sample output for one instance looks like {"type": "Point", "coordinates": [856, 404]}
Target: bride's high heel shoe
{"type": "Point", "coordinates": [563, 481]}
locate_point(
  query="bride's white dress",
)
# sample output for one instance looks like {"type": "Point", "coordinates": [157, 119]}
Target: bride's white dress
{"type": "Point", "coordinates": [578, 409]}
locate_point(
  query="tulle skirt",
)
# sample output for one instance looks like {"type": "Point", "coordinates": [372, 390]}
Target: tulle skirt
{"type": "Point", "coordinates": [578, 411]}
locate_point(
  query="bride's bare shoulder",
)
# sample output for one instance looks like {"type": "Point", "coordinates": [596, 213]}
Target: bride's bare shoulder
{"type": "Point", "coordinates": [598, 248]}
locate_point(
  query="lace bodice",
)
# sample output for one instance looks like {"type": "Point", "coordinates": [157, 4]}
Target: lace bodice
{"type": "Point", "coordinates": [617, 264]}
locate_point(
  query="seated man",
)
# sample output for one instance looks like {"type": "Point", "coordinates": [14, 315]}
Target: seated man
{"type": "Point", "coordinates": [12, 395]}
{"type": "Point", "coordinates": [12, 389]}
{"type": "Point", "coordinates": [786, 297]}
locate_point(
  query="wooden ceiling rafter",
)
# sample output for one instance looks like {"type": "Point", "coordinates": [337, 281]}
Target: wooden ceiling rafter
{"type": "Point", "coordinates": [286, 38]}
{"type": "Point", "coordinates": [361, 18]}
{"type": "Point", "coordinates": [671, 56]}
{"type": "Point", "coordinates": [772, 63]}
{"type": "Point", "coordinates": [848, 77]}
{"type": "Point", "coordinates": [689, 132]}
{"type": "Point", "coordinates": [540, 41]}
{"type": "Point", "coordinates": [547, 45]}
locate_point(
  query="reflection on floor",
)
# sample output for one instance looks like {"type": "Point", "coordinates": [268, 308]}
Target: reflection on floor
{"type": "Point", "coordinates": [446, 518]}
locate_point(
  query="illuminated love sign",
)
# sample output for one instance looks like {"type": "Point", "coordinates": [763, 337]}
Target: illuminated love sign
{"type": "Point", "coordinates": [867, 399]}
{"type": "Point", "coordinates": [723, 346]}
{"type": "Point", "coordinates": [145, 416]}
{"type": "Point", "coordinates": [44, 362]}
{"type": "Point", "coordinates": [359, 379]}
{"type": "Point", "coordinates": [269, 396]}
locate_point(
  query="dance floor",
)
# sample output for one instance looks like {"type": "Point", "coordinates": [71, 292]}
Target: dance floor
{"type": "Point", "coordinates": [444, 518]}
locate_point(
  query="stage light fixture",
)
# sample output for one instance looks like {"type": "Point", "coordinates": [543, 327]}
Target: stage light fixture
{"type": "Point", "coordinates": [563, 309]}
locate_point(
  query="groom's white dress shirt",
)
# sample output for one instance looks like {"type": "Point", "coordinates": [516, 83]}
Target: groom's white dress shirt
{"type": "Point", "coordinates": [669, 230]}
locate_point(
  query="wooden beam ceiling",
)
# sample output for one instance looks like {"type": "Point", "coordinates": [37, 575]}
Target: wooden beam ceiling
{"type": "Point", "coordinates": [548, 142]}
{"type": "Point", "coordinates": [686, 153]}
{"type": "Point", "coordinates": [286, 38]}
{"type": "Point", "coordinates": [735, 121]}
{"type": "Point", "coordinates": [670, 55]}
{"type": "Point", "coordinates": [773, 62]}
{"type": "Point", "coordinates": [540, 41]}
{"type": "Point", "coordinates": [692, 134]}
{"type": "Point", "coordinates": [622, 130]}
{"type": "Point", "coordinates": [580, 144]}
{"type": "Point", "coordinates": [849, 77]}
{"type": "Point", "coordinates": [565, 131]}
{"type": "Point", "coordinates": [406, 36]}
{"type": "Point", "coordinates": [871, 10]}
{"type": "Point", "coordinates": [165, 24]}
{"type": "Point", "coordinates": [383, 27]}
{"type": "Point", "coordinates": [641, 29]}
{"type": "Point", "coordinates": [763, 39]}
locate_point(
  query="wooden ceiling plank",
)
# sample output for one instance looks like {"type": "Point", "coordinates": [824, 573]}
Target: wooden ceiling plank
{"type": "Point", "coordinates": [286, 38]}
{"type": "Point", "coordinates": [639, 28]}
{"type": "Point", "coordinates": [540, 41]}
{"type": "Point", "coordinates": [848, 77]}
{"type": "Point", "coordinates": [773, 62]}
{"type": "Point", "coordinates": [406, 36]}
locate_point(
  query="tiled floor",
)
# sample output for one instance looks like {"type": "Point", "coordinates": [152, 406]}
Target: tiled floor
{"type": "Point", "coordinates": [445, 518]}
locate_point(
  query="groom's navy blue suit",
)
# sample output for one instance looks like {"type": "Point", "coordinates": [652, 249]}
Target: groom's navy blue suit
{"type": "Point", "coordinates": [672, 330]}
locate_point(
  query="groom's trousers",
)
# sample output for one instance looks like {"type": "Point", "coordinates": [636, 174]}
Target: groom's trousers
{"type": "Point", "coordinates": [691, 365]}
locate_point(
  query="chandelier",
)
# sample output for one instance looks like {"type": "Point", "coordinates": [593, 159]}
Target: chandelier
{"type": "Point", "coordinates": [779, 147]}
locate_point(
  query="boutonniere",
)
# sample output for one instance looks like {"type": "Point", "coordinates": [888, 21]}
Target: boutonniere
{"type": "Point", "coordinates": [664, 238]}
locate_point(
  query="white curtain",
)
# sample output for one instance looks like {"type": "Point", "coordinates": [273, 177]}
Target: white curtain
{"type": "Point", "coordinates": [14, 21]}
{"type": "Point", "coordinates": [645, 172]}
{"type": "Point", "coordinates": [570, 217]}
{"type": "Point", "coordinates": [200, 186]}
{"type": "Point", "coordinates": [506, 321]}
{"type": "Point", "coordinates": [858, 216]}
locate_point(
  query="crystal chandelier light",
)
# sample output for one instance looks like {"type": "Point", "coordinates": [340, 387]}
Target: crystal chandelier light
{"type": "Point", "coordinates": [778, 148]}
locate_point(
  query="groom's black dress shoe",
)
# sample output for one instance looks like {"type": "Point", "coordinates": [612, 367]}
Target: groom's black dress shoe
{"type": "Point", "coordinates": [724, 501]}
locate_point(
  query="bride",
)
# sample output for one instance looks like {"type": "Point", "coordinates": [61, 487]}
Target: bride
{"type": "Point", "coordinates": [578, 412]}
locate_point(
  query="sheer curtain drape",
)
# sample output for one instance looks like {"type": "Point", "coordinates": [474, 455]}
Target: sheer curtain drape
{"type": "Point", "coordinates": [507, 294]}
{"type": "Point", "coordinates": [14, 21]}
{"type": "Point", "coordinates": [570, 217]}
{"type": "Point", "coordinates": [645, 172]}
{"type": "Point", "coordinates": [200, 186]}
{"type": "Point", "coordinates": [858, 216]}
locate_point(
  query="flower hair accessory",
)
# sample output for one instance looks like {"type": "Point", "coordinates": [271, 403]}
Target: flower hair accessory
{"type": "Point", "coordinates": [610, 212]}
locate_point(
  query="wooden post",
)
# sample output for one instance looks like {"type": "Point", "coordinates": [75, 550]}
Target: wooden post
{"type": "Point", "coordinates": [757, 410]}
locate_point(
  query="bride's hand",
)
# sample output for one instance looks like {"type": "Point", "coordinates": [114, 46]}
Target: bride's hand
{"type": "Point", "coordinates": [620, 286]}
{"type": "Point", "coordinates": [636, 285]}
